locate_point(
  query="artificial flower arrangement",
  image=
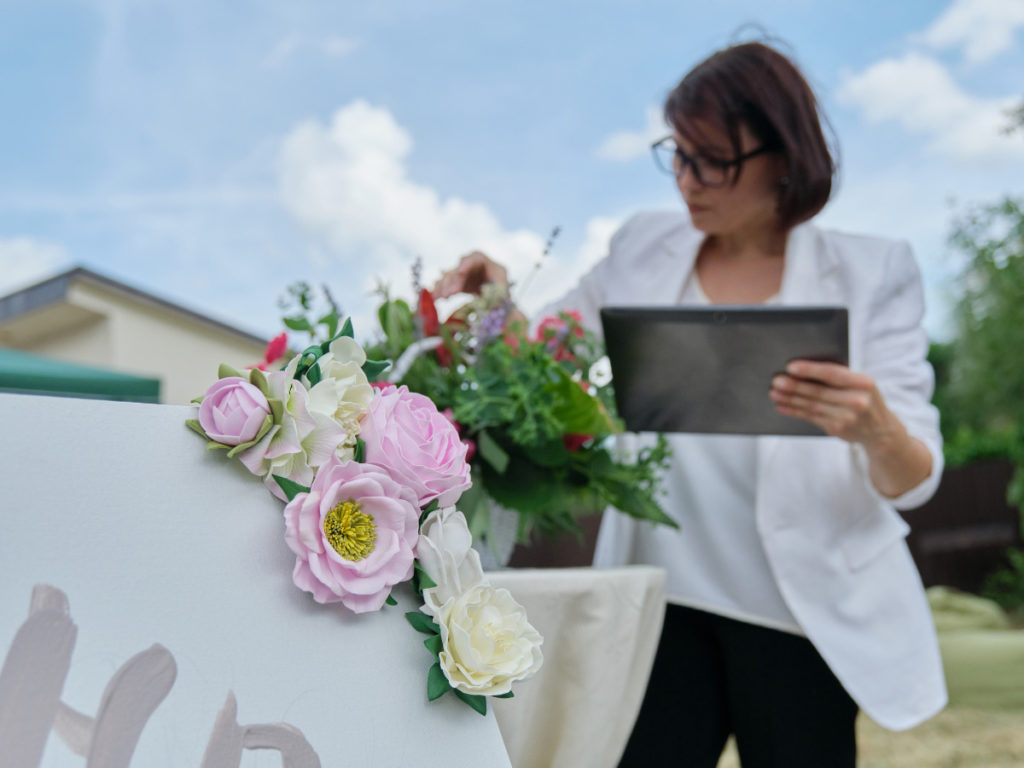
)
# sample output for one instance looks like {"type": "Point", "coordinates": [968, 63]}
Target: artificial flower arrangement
{"type": "Point", "coordinates": [370, 475]}
{"type": "Point", "coordinates": [532, 408]}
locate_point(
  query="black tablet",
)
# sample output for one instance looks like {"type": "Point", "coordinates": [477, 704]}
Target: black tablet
{"type": "Point", "coordinates": [710, 369]}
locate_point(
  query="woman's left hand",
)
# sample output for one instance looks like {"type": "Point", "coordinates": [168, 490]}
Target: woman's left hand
{"type": "Point", "coordinates": [844, 403]}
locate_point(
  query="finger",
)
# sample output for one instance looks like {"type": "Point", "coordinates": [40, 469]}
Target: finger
{"type": "Point", "coordinates": [833, 374]}
{"type": "Point", "coordinates": [857, 399]}
{"type": "Point", "coordinates": [835, 419]}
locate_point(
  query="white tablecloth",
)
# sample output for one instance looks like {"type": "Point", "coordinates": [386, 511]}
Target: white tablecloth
{"type": "Point", "coordinates": [601, 629]}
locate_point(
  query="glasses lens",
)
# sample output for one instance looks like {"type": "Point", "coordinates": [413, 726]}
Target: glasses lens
{"type": "Point", "coordinates": [665, 155]}
{"type": "Point", "coordinates": [712, 173]}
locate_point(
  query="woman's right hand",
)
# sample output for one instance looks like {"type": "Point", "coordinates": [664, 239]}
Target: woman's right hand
{"type": "Point", "coordinates": [474, 270]}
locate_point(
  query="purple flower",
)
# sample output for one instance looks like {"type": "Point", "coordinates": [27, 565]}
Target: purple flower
{"type": "Point", "coordinates": [233, 411]}
{"type": "Point", "coordinates": [406, 435]}
{"type": "Point", "coordinates": [354, 535]}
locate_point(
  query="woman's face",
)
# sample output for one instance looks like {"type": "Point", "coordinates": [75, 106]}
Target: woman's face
{"type": "Point", "coordinates": [750, 204]}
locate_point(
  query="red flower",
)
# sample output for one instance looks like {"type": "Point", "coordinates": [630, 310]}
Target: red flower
{"type": "Point", "coordinates": [554, 331]}
{"type": "Point", "coordinates": [573, 443]}
{"type": "Point", "coordinates": [277, 347]}
{"type": "Point", "coordinates": [428, 313]}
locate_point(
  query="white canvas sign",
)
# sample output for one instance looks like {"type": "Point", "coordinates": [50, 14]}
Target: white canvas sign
{"type": "Point", "coordinates": [183, 641]}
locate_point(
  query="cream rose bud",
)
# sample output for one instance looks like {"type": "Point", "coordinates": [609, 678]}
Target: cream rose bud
{"type": "Point", "coordinates": [487, 642]}
{"type": "Point", "coordinates": [445, 551]}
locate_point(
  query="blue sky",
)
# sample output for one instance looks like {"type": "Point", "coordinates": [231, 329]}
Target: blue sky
{"type": "Point", "coordinates": [214, 152]}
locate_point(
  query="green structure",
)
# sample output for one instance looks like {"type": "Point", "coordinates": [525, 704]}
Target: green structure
{"type": "Point", "coordinates": [23, 373]}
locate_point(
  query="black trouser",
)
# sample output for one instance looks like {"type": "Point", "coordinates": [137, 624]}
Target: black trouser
{"type": "Point", "coordinates": [714, 676]}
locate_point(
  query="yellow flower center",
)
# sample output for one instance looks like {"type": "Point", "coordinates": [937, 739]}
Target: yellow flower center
{"type": "Point", "coordinates": [350, 531]}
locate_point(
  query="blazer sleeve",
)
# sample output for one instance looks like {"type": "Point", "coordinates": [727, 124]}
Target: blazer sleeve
{"type": "Point", "coordinates": [896, 348]}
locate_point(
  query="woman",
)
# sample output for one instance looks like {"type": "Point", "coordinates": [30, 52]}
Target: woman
{"type": "Point", "coordinates": [793, 600]}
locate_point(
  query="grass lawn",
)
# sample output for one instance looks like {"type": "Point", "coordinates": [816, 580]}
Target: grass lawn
{"type": "Point", "coordinates": [955, 738]}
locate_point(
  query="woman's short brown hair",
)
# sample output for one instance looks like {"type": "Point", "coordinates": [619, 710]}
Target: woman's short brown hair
{"type": "Point", "coordinates": [754, 85]}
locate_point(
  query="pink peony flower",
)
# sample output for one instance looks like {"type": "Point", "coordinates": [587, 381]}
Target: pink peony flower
{"type": "Point", "coordinates": [354, 535]}
{"type": "Point", "coordinates": [406, 434]}
{"type": "Point", "coordinates": [232, 411]}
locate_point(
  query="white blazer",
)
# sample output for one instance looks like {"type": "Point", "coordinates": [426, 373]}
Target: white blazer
{"type": "Point", "coordinates": [835, 546]}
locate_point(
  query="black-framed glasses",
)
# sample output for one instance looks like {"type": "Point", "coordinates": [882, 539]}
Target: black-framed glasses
{"type": "Point", "coordinates": [708, 171]}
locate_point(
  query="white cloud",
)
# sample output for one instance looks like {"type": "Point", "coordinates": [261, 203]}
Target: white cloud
{"type": "Point", "coordinates": [282, 51]}
{"type": "Point", "coordinates": [24, 261]}
{"type": "Point", "coordinates": [918, 92]}
{"type": "Point", "coordinates": [624, 146]}
{"type": "Point", "coordinates": [347, 183]}
{"type": "Point", "coordinates": [333, 46]}
{"type": "Point", "coordinates": [336, 47]}
{"type": "Point", "coordinates": [981, 28]}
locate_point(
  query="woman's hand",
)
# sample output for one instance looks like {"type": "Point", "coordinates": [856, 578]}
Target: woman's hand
{"type": "Point", "coordinates": [474, 270]}
{"type": "Point", "coordinates": [848, 405]}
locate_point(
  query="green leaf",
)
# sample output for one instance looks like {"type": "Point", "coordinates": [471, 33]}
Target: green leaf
{"type": "Point", "coordinates": [389, 600]}
{"type": "Point", "coordinates": [331, 321]}
{"type": "Point", "coordinates": [346, 328]}
{"type": "Point", "coordinates": [297, 323]}
{"type": "Point", "coordinates": [359, 455]}
{"type": "Point", "coordinates": [425, 582]}
{"type": "Point", "coordinates": [491, 452]}
{"type": "Point", "coordinates": [422, 623]}
{"type": "Point", "coordinates": [276, 408]}
{"type": "Point", "coordinates": [313, 375]}
{"type": "Point", "coordinates": [479, 703]}
{"type": "Point", "coordinates": [578, 412]}
{"type": "Point", "coordinates": [193, 424]}
{"type": "Point", "coordinates": [374, 368]}
{"type": "Point", "coordinates": [508, 695]}
{"type": "Point", "coordinates": [225, 371]}
{"type": "Point", "coordinates": [434, 644]}
{"type": "Point", "coordinates": [290, 487]}
{"type": "Point", "coordinates": [437, 683]}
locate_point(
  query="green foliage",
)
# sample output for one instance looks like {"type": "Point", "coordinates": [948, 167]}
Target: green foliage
{"type": "Point", "coordinates": [305, 312]}
{"type": "Point", "coordinates": [980, 376]}
{"type": "Point", "coordinates": [986, 377]}
{"type": "Point", "coordinates": [1006, 585]}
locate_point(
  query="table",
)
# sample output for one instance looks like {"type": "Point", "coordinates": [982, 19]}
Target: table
{"type": "Point", "coordinates": [601, 629]}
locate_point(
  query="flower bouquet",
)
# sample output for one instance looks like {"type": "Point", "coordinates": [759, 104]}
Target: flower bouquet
{"type": "Point", "coordinates": [534, 410]}
{"type": "Point", "coordinates": [370, 475]}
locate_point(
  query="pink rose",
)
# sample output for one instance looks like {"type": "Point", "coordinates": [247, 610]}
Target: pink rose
{"type": "Point", "coordinates": [406, 434]}
{"type": "Point", "coordinates": [354, 535]}
{"type": "Point", "coordinates": [232, 411]}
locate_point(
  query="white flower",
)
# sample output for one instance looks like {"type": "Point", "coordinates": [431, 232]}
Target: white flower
{"type": "Point", "coordinates": [343, 393]}
{"type": "Point", "coordinates": [445, 551]}
{"type": "Point", "coordinates": [299, 443]}
{"type": "Point", "coordinates": [487, 642]}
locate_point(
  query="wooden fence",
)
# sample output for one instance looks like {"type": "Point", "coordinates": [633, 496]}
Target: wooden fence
{"type": "Point", "coordinates": [961, 535]}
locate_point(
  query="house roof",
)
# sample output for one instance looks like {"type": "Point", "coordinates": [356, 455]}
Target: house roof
{"type": "Point", "coordinates": [56, 288]}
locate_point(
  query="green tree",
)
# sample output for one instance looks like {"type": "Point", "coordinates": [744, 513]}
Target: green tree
{"type": "Point", "coordinates": [983, 391]}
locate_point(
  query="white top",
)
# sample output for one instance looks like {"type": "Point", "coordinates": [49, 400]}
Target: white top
{"type": "Point", "coordinates": [717, 525]}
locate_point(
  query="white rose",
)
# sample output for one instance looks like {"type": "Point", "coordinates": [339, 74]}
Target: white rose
{"type": "Point", "coordinates": [299, 443]}
{"type": "Point", "coordinates": [343, 393]}
{"type": "Point", "coordinates": [487, 642]}
{"type": "Point", "coordinates": [445, 551]}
